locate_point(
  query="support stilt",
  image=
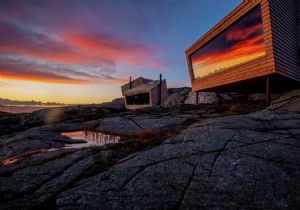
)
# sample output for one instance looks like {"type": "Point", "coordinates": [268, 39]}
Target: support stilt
{"type": "Point", "coordinates": [268, 92]}
{"type": "Point", "coordinates": [159, 91]}
{"type": "Point", "coordinates": [197, 94]}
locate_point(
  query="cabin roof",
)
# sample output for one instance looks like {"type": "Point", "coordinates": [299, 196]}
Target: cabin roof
{"type": "Point", "coordinates": [135, 83]}
{"type": "Point", "coordinates": [144, 87]}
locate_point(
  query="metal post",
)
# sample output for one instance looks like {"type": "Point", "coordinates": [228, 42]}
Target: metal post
{"type": "Point", "coordinates": [159, 91]}
{"type": "Point", "coordinates": [197, 95]}
{"type": "Point", "coordinates": [268, 92]}
{"type": "Point", "coordinates": [130, 83]}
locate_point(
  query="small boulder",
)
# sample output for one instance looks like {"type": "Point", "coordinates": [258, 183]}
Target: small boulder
{"type": "Point", "coordinates": [288, 102]}
{"type": "Point", "coordinates": [203, 98]}
{"type": "Point", "coordinates": [256, 97]}
{"type": "Point", "coordinates": [227, 96]}
{"type": "Point", "coordinates": [119, 126]}
{"type": "Point", "coordinates": [176, 90]}
{"type": "Point", "coordinates": [118, 104]}
{"type": "Point", "coordinates": [177, 98]}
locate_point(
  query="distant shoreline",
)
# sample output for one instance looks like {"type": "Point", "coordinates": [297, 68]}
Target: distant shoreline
{"type": "Point", "coordinates": [17, 109]}
{"type": "Point", "coordinates": [33, 106]}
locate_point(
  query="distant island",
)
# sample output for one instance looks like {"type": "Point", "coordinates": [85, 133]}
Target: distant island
{"type": "Point", "coordinates": [4, 101]}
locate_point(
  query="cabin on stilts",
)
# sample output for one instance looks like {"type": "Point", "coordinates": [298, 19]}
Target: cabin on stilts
{"type": "Point", "coordinates": [255, 48]}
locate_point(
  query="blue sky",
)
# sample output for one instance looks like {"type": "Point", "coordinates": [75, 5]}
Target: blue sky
{"type": "Point", "coordinates": [75, 51]}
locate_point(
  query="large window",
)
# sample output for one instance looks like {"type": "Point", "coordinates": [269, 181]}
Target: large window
{"type": "Point", "coordinates": [138, 99]}
{"type": "Point", "coordinates": [241, 42]}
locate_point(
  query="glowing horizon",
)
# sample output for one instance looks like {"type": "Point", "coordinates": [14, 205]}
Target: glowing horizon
{"type": "Point", "coordinates": [240, 43]}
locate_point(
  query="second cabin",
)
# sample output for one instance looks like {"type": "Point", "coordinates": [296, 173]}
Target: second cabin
{"type": "Point", "coordinates": [142, 93]}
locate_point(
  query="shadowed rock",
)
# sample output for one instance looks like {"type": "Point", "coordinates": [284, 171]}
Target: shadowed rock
{"type": "Point", "coordinates": [234, 162]}
{"type": "Point", "coordinates": [287, 102]}
{"type": "Point", "coordinates": [207, 98]}
{"type": "Point", "coordinates": [177, 98]}
{"type": "Point", "coordinates": [249, 161]}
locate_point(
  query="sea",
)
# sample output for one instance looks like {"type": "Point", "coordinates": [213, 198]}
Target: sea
{"type": "Point", "coordinates": [16, 109]}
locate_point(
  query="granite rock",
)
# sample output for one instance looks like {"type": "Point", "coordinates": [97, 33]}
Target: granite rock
{"type": "Point", "coordinates": [288, 101]}
{"type": "Point", "coordinates": [247, 161]}
{"type": "Point", "coordinates": [177, 98]}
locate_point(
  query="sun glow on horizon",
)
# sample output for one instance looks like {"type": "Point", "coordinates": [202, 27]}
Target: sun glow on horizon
{"type": "Point", "coordinates": [60, 93]}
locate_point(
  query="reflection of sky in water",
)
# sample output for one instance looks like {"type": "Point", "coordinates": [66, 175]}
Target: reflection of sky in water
{"type": "Point", "coordinates": [92, 138]}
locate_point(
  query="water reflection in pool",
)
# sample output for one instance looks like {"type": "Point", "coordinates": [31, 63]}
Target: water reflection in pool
{"type": "Point", "coordinates": [92, 138]}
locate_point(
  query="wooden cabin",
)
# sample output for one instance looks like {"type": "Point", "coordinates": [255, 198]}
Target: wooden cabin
{"type": "Point", "coordinates": [142, 93]}
{"type": "Point", "coordinates": [255, 48]}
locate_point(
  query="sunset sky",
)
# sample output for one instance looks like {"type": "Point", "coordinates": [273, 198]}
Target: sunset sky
{"type": "Point", "coordinates": [241, 42]}
{"type": "Point", "coordinates": [73, 51]}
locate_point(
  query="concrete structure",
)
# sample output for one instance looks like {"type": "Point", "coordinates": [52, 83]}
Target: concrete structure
{"type": "Point", "coordinates": [144, 93]}
{"type": "Point", "coordinates": [259, 50]}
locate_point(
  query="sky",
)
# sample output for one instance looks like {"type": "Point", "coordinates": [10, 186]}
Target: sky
{"type": "Point", "coordinates": [81, 52]}
{"type": "Point", "coordinates": [241, 42]}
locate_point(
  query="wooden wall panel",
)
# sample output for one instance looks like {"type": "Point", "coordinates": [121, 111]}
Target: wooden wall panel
{"type": "Point", "coordinates": [298, 21]}
{"type": "Point", "coordinates": [285, 34]}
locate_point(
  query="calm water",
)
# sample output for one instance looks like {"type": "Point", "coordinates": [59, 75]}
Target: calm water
{"type": "Point", "coordinates": [92, 138]}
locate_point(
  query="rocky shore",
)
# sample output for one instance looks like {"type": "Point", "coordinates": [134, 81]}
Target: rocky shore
{"type": "Point", "coordinates": [221, 154]}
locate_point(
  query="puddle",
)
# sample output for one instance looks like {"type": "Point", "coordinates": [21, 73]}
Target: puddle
{"type": "Point", "coordinates": [92, 138]}
{"type": "Point", "coordinates": [10, 161]}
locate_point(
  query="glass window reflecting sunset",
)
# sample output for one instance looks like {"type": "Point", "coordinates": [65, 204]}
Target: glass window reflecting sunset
{"type": "Point", "coordinates": [241, 42]}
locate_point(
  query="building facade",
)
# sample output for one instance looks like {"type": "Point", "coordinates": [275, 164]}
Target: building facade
{"type": "Point", "coordinates": [142, 93]}
{"type": "Point", "coordinates": [255, 48]}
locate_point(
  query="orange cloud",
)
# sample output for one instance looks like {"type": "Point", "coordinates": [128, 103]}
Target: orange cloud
{"type": "Point", "coordinates": [40, 78]}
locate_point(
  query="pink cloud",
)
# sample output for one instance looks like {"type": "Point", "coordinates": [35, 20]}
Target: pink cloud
{"type": "Point", "coordinates": [110, 48]}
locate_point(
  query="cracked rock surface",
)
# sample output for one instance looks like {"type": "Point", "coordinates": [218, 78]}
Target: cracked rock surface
{"type": "Point", "coordinates": [232, 162]}
{"type": "Point", "coordinates": [249, 161]}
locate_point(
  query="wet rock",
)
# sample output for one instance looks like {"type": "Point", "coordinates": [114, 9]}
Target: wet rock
{"type": "Point", "coordinates": [70, 141]}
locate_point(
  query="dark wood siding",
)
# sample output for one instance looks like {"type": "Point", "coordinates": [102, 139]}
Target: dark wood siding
{"type": "Point", "coordinates": [298, 21]}
{"type": "Point", "coordinates": [285, 35]}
